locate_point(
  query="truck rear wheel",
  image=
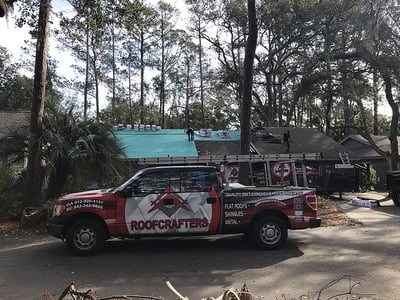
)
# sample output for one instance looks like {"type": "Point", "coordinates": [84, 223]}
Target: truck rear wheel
{"type": "Point", "coordinates": [85, 237]}
{"type": "Point", "coordinates": [269, 233]}
{"type": "Point", "coordinates": [396, 198]}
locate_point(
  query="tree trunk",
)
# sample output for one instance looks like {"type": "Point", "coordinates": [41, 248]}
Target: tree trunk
{"type": "Point", "coordinates": [130, 91]}
{"type": "Point", "coordinates": [394, 146]}
{"type": "Point", "coordinates": [187, 93]}
{"type": "Point", "coordinates": [162, 83]}
{"type": "Point", "coordinates": [96, 76]}
{"type": "Point", "coordinates": [247, 89]}
{"type": "Point", "coordinates": [375, 91]}
{"type": "Point", "coordinates": [33, 182]}
{"type": "Point", "coordinates": [86, 89]}
{"type": "Point", "coordinates": [142, 82]}
{"type": "Point", "coordinates": [201, 72]}
{"type": "Point", "coordinates": [114, 115]}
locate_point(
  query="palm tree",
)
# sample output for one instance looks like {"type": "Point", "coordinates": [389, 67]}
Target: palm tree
{"type": "Point", "coordinates": [74, 152]}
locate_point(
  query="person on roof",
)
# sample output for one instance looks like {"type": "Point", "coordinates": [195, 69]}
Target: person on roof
{"type": "Point", "coordinates": [287, 140]}
{"type": "Point", "coordinates": [190, 134]}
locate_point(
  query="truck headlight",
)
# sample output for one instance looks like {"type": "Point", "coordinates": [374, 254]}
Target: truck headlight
{"type": "Point", "coordinates": [58, 209]}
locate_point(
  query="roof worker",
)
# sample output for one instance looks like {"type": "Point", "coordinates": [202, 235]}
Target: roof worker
{"type": "Point", "coordinates": [287, 140]}
{"type": "Point", "coordinates": [190, 134]}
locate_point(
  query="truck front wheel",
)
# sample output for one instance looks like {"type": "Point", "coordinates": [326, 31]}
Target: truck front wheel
{"type": "Point", "coordinates": [269, 233]}
{"type": "Point", "coordinates": [85, 237]}
{"type": "Point", "coordinates": [396, 198]}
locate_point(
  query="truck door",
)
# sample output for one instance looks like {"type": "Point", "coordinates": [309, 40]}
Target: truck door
{"type": "Point", "coordinates": [200, 191]}
{"type": "Point", "coordinates": [173, 202]}
{"type": "Point", "coordinates": [149, 210]}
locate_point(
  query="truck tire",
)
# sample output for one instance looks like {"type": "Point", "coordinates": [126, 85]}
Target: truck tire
{"type": "Point", "coordinates": [269, 233]}
{"type": "Point", "coordinates": [396, 198]}
{"type": "Point", "coordinates": [85, 237]}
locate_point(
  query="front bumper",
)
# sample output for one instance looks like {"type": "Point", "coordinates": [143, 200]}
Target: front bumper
{"type": "Point", "coordinates": [55, 230]}
{"type": "Point", "coordinates": [315, 222]}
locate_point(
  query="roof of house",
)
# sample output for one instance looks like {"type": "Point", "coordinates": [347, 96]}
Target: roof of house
{"type": "Point", "coordinates": [359, 145]}
{"type": "Point", "coordinates": [150, 142]}
{"type": "Point", "coordinates": [304, 140]}
{"type": "Point", "coordinates": [174, 143]}
{"type": "Point", "coordinates": [168, 142]}
{"type": "Point", "coordinates": [10, 120]}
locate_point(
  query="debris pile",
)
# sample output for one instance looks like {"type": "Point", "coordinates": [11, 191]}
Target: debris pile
{"type": "Point", "coordinates": [72, 293]}
{"type": "Point", "coordinates": [343, 288]}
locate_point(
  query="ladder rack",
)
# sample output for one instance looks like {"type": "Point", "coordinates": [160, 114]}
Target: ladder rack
{"type": "Point", "coordinates": [227, 158]}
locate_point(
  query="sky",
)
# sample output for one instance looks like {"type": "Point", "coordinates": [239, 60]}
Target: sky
{"type": "Point", "coordinates": [13, 38]}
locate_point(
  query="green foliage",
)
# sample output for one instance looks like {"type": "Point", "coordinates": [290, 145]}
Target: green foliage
{"type": "Point", "coordinates": [16, 91]}
{"type": "Point", "coordinates": [370, 179]}
{"type": "Point", "coordinates": [17, 95]}
{"type": "Point", "coordinates": [237, 12]}
{"type": "Point", "coordinates": [78, 152]}
{"type": "Point", "coordinates": [75, 153]}
{"type": "Point", "coordinates": [10, 192]}
{"type": "Point", "coordinates": [373, 176]}
{"type": "Point", "coordinates": [7, 70]}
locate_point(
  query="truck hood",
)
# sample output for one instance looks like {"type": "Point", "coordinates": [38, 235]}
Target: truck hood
{"type": "Point", "coordinates": [85, 195]}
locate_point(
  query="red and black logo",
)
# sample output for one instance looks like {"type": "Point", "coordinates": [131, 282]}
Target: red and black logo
{"type": "Point", "coordinates": [169, 202]}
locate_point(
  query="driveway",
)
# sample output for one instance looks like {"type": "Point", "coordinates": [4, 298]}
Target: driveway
{"type": "Point", "coordinates": [364, 256]}
{"type": "Point", "coordinates": [385, 214]}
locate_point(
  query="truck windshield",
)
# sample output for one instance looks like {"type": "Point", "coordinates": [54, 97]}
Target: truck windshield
{"type": "Point", "coordinates": [124, 182]}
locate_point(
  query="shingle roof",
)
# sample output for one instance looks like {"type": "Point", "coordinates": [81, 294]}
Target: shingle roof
{"type": "Point", "coordinates": [10, 120]}
{"type": "Point", "coordinates": [174, 143]}
{"type": "Point", "coordinates": [219, 149]}
{"type": "Point", "coordinates": [304, 140]}
{"type": "Point", "coordinates": [359, 145]}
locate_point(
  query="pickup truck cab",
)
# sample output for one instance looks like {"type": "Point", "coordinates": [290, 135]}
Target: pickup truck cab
{"type": "Point", "coordinates": [181, 200]}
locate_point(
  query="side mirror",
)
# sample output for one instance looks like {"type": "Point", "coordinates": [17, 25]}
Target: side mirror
{"type": "Point", "coordinates": [126, 192]}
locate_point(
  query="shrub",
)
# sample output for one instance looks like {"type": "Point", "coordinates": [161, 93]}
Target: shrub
{"type": "Point", "coordinates": [10, 192]}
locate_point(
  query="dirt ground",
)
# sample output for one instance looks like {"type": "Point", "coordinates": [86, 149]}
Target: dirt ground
{"type": "Point", "coordinates": [11, 228]}
{"type": "Point", "coordinates": [327, 211]}
{"type": "Point", "coordinates": [331, 216]}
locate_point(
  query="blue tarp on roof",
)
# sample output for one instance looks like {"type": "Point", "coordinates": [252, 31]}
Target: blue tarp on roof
{"type": "Point", "coordinates": [167, 142]}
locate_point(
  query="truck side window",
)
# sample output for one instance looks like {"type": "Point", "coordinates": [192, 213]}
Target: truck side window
{"type": "Point", "coordinates": [152, 183]}
{"type": "Point", "coordinates": [175, 183]}
{"type": "Point", "coordinates": [215, 181]}
{"type": "Point", "coordinates": [199, 181]}
{"type": "Point", "coordinates": [189, 181]}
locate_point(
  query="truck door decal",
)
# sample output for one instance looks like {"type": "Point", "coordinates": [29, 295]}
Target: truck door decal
{"type": "Point", "coordinates": [169, 202]}
{"type": "Point", "coordinates": [168, 212]}
{"type": "Point", "coordinates": [216, 210]}
{"type": "Point", "coordinates": [174, 203]}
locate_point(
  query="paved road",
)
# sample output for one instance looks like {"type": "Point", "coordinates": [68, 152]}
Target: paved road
{"type": "Point", "coordinates": [203, 267]}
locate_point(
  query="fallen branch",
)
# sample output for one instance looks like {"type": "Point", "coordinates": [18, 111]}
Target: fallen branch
{"type": "Point", "coordinates": [230, 294]}
{"type": "Point", "coordinates": [170, 286]}
{"type": "Point", "coordinates": [76, 295]}
{"type": "Point", "coordinates": [352, 283]}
